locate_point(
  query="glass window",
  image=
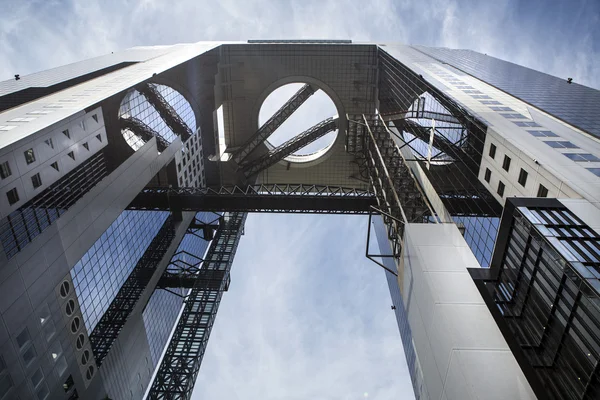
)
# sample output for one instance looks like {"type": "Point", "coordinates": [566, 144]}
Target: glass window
{"type": "Point", "coordinates": [71, 154]}
{"type": "Point", "coordinates": [542, 133]}
{"type": "Point", "coordinates": [523, 177]}
{"type": "Point", "coordinates": [488, 175]}
{"type": "Point", "coordinates": [49, 142]}
{"type": "Point", "coordinates": [29, 156]}
{"type": "Point", "coordinates": [489, 102]}
{"type": "Point", "coordinates": [492, 150]}
{"type": "Point", "coordinates": [512, 115]}
{"type": "Point", "coordinates": [95, 117]}
{"type": "Point", "coordinates": [542, 191]}
{"type": "Point", "coordinates": [582, 157]}
{"type": "Point", "coordinates": [595, 171]}
{"type": "Point", "coordinates": [99, 137]}
{"type": "Point", "coordinates": [29, 355]}
{"type": "Point", "coordinates": [480, 96]}
{"type": "Point", "coordinates": [527, 123]}
{"type": "Point", "coordinates": [37, 377]}
{"type": "Point", "coordinates": [501, 188]}
{"type": "Point", "coordinates": [67, 133]}
{"type": "Point", "coordinates": [501, 108]}
{"type": "Point", "coordinates": [5, 384]}
{"type": "Point", "coordinates": [5, 170]}
{"type": "Point", "coordinates": [7, 127]}
{"type": "Point", "coordinates": [69, 383]}
{"type": "Point", "coordinates": [86, 146]}
{"type": "Point", "coordinates": [13, 196]}
{"type": "Point", "coordinates": [36, 180]}
{"type": "Point", "coordinates": [561, 144]}
{"type": "Point", "coordinates": [54, 165]}
{"type": "Point", "coordinates": [506, 163]}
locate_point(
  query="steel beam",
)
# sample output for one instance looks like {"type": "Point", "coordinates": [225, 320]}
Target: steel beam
{"type": "Point", "coordinates": [257, 198]}
{"type": "Point", "coordinates": [113, 320]}
{"type": "Point", "coordinates": [166, 111]}
{"type": "Point", "coordinates": [177, 372]}
{"type": "Point", "coordinates": [274, 122]}
{"type": "Point", "coordinates": [142, 130]}
{"type": "Point", "coordinates": [296, 143]}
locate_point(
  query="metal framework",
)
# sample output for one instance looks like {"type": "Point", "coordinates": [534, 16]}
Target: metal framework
{"type": "Point", "coordinates": [113, 320]}
{"type": "Point", "coordinates": [274, 122]}
{"type": "Point", "coordinates": [143, 131]}
{"type": "Point", "coordinates": [398, 194]}
{"type": "Point", "coordinates": [166, 111]}
{"type": "Point", "coordinates": [258, 198]}
{"type": "Point", "coordinates": [296, 143]}
{"type": "Point", "coordinates": [179, 367]}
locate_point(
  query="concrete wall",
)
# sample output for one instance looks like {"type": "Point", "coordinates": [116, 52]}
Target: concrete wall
{"type": "Point", "coordinates": [461, 351]}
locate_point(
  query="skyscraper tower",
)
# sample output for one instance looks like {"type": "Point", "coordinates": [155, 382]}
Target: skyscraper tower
{"type": "Point", "coordinates": [126, 180]}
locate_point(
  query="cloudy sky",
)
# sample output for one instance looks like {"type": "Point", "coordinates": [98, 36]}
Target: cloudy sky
{"type": "Point", "coordinates": [307, 316]}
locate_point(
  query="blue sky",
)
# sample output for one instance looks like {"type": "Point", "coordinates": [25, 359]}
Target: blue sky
{"type": "Point", "coordinates": [307, 316]}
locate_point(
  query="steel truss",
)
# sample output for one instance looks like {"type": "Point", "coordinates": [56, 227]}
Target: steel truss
{"type": "Point", "coordinates": [113, 320]}
{"type": "Point", "coordinates": [166, 111]}
{"type": "Point", "coordinates": [296, 143]}
{"type": "Point", "coordinates": [142, 130]}
{"type": "Point", "coordinates": [398, 194]}
{"type": "Point", "coordinates": [273, 198]}
{"type": "Point", "coordinates": [180, 365]}
{"type": "Point", "coordinates": [274, 122]}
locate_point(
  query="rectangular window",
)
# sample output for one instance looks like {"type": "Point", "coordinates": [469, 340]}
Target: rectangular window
{"type": "Point", "coordinates": [49, 142]}
{"type": "Point", "coordinates": [5, 170]}
{"type": "Point", "coordinates": [36, 180]}
{"type": "Point", "coordinates": [506, 163]}
{"type": "Point", "coordinates": [480, 96]}
{"type": "Point", "coordinates": [523, 177]}
{"type": "Point", "coordinates": [66, 133]}
{"type": "Point", "coordinates": [21, 119]}
{"type": "Point", "coordinates": [582, 157]}
{"type": "Point", "coordinates": [55, 165]}
{"type": "Point", "coordinates": [13, 196]}
{"type": "Point", "coordinates": [472, 91]}
{"type": "Point", "coordinates": [595, 171]}
{"type": "Point", "coordinates": [501, 188]}
{"type": "Point", "coordinates": [7, 127]}
{"type": "Point", "coordinates": [542, 191]}
{"type": "Point", "coordinates": [490, 102]}
{"type": "Point", "coordinates": [492, 150]}
{"type": "Point", "coordinates": [501, 108]}
{"type": "Point", "coordinates": [488, 175]}
{"type": "Point", "coordinates": [513, 115]}
{"type": "Point", "coordinates": [542, 133]}
{"type": "Point", "coordinates": [71, 154]}
{"type": "Point", "coordinates": [527, 124]}
{"type": "Point", "coordinates": [29, 156]}
{"type": "Point", "coordinates": [561, 144]}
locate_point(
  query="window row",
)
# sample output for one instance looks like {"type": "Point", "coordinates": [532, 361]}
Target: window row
{"type": "Point", "coordinates": [29, 155]}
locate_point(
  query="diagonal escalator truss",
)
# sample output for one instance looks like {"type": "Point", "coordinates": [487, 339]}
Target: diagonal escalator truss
{"type": "Point", "coordinates": [273, 123]}
{"type": "Point", "coordinates": [179, 367]}
{"type": "Point", "coordinates": [296, 143]}
{"type": "Point", "coordinates": [166, 111]}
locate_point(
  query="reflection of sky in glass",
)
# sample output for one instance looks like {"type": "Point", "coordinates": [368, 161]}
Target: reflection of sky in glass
{"type": "Point", "coordinates": [135, 105]}
{"type": "Point", "coordinates": [317, 108]}
{"type": "Point", "coordinates": [103, 269]}
{"type": "Point", "coordinates": [450, 131]}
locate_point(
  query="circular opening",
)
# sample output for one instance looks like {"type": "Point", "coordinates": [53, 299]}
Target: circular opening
{"type": "Point", "coordinates": [85, 357]}
{"type": "Point", "coordinates": [90, 372]}
{"type": "Point", "coordinates": [70, 307]}
{"type": "Point", "coordinates": [65, 288]}
{"type": "Point", "coordinates": [75, 324]}
{"type": "Point", "coordinates": [317, 108]}
{"type": "Point", "coordinates": [80, 341]}
{"type": "Point", "coordinates": [140, 120]}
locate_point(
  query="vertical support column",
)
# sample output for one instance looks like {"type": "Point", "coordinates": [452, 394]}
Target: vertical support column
{"type": "Point", "coordinates": [180, 365]}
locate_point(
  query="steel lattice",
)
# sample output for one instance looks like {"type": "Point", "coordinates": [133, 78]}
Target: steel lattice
{"type": "Point", "coordinates": [166, 111]}
{"type": "Point", "coordinates": [258, 198]}
{"type": "Point", "coordinates": [179, 367]}
{"type": "Point", "coordinates": [289, 147]}
{"type": "Point", "coordinates": [274, 122]}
